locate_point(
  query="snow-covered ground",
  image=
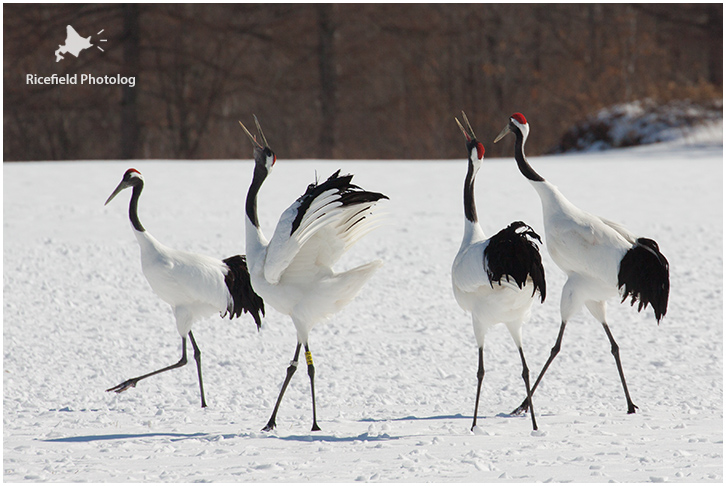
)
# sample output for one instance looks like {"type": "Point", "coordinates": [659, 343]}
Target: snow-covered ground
{"type": "Point", "coordinates": [395, 370]}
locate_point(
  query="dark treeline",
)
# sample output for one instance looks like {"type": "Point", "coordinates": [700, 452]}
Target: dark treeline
{"type": "Point", "coordinates": [340, 80]}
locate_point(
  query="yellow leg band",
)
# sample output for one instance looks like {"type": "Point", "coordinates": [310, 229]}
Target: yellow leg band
{"type": "Point", "coordinates": [309, 357]}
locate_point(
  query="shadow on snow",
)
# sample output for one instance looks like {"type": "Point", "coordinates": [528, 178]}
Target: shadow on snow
{"type": "Point", "coordinates": [365, 437]}
{"type": "Point", "coordinates": [201, 435]}
{"type": "Point", "coordinates": [332, 438]}
{"type": "Point", "coordinates": [413, 417]}
{"type": "Point", "coordinates": [456, 416]}
{"type": "Point", "coordinates": [93, 438]}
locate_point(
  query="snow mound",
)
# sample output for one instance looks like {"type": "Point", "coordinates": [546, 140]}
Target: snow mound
{"type": "Point", "coordinates": [645, 122]}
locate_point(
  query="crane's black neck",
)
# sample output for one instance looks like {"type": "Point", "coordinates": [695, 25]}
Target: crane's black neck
{"type": "Point", "coordinates": [469, 204]}
{"type": "Point", "coordinates": [251, 206]}
{"type": "Point", "coordinates": [134, 205]}
{"type": "Point", "coordinates": [524, 167]}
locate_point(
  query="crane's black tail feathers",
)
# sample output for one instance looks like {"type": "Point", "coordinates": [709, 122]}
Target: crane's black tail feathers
{"type": "Point", "coordinates": [513, 254]}
{"type": "Point", "coordinates": [644, 276]}
{"type": "Point", "coordinates": [348, 194]}
{"type": "Point", "coordinates": [244, 298]}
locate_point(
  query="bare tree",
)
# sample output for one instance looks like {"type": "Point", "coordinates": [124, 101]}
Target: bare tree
{"type": "Point", "coordinates": [130, 130]}
{"type": "Point", "coordinates": [340, 80]}
{"type": "Point", "coordinates": [328, 79]}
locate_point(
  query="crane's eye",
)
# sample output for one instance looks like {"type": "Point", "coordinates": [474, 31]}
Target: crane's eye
{"type": "Point", "coordinates": [269, 153]}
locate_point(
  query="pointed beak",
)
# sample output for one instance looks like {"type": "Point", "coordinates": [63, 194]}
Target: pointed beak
{"type": "Point", "coordinates": [259, 130]}
{"type": "Point", "coordinates": [122, 185]}
{"type": "Point", "coordinates": [463, 130]}
{"type": "Point", "coordinates": [252, 137]}
{"type": "Point", "coordinates": [503, 133]}
{"type": "Point", "coordinates": [466, 128]}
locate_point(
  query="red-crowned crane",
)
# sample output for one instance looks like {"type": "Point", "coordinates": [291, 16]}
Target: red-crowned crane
{"type": "Point", "coordinates": [293, 271]}
{"type": "Point", "coordinates": [496, 278]}
{"type": "Point", "coordinates": [195, 286]}
{"type": "Point", "coordinates": [602, 259]}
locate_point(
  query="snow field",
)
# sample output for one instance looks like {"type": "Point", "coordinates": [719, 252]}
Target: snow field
{"type": "Point", "coordinates": [395, 379]}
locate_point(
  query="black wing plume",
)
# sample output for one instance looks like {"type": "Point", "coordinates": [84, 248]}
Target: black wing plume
{"type": "Point", "coordinates": [513, 254]}
{"type": "Point", "coordinates": [645, 276]}
{"type": "Point", "coordinates": [348, 194]}
{"type": "Point", "coordinates": [244, 298]}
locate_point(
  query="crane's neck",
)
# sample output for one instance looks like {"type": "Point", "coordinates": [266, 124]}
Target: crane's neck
{"type": "Point", "coordinates": [255, 240]}
{"type": "Point", "coordinates": [524, 167]}
{"type": "Point", "coordinates": [134, 206]}
{"type": "Point", "coordinates": [553, 202]}
{"type": "Point", "coordinates": [472, 230]}
{"type": "Point", "coordinates": [469, 203]}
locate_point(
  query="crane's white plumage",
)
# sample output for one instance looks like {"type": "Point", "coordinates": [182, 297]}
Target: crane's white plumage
{"type": "Point", "coordinates": [293, 271]}
{"type": "Point", "coordinates": [495, 279]}
{"type": "Point", "coordinates": [490, 303]}
{"type": "Point", "coordinates": [294, 274]}
{"type": "Point", "coordinates": [195, 286]}
{"type": "Point", "coordinates": [602, 259]}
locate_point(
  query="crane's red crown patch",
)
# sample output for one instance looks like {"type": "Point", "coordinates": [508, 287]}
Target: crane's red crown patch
{"type": "Point", "coordinates": [520, 118]}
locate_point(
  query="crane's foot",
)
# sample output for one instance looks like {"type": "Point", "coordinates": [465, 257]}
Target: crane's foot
{"type": "Point", "coordinates": [522, 409]}
{"type": "Point", "coordinates": [632, 407]}
{"type": "Point", "coordinates": [124, 386]}
{"type": "Point", "coordinates": [270, 425]}
{"type": "Point", "coordinates": [315, 427]}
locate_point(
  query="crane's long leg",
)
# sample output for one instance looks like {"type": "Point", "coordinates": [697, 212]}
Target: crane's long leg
{"type": "Point", "coordinates": [311, 374]}
{"type": "Point", "coordinates": [615, 349]}
{"type": "Point", "coordinates": [555, 350]}
{"type": "Point", "coordinates": [479, 378]}
{"type": "Point", "coordinates": [133, 381]}
{"type": "Point", "coordinates": [290, 371]}
{"type": "Point", "coordinates": [198, 359]}
{"type": "Point", "coordinates": [525, 376]}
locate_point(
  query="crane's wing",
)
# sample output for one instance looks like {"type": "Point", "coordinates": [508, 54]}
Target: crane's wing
{"type": "Point", "coordinates": [621, 230]}
{"type": "Point", "coordinates": [508, 259]}
{"type": "Point", "coordinates": [242, 296]}
{"type": "Point", "coordinates": [330, 217]}
{"type": "Point", "coordinates": [513, 256]}
{"type": "Point", "coordinates": [327, 245]}
{"type": "Point", "coordinates": [469, 271]}
{"type": "Point", "coordinates": [183, 278]}
{"type": "Point", "coordinates": [192, 280]}
{"type": "Point", "coordinates": [588, 245]}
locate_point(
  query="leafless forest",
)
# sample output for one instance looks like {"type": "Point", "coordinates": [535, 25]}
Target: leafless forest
{"type": "Point", "coordinates": [340, 80]}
